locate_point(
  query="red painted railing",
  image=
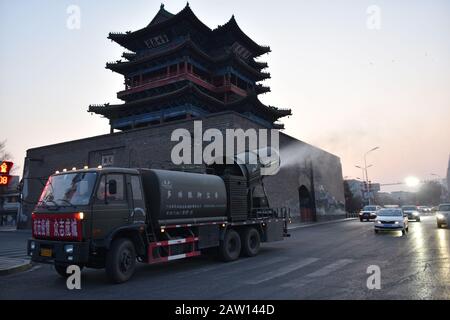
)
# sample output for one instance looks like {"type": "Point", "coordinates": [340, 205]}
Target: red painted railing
{"type": "Point", "coordinates": [179, 76]}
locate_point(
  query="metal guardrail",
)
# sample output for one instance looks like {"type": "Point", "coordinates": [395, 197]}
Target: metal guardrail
{"type": "Point", "coordinates": [351, 214]}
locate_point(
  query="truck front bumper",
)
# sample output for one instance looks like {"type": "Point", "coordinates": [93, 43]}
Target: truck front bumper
{"type": "Point", "coordinates": [46, 251]}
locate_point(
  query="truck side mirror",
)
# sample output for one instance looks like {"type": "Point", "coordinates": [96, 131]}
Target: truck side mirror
{"type": "Point", "coordinates": [112, 187]}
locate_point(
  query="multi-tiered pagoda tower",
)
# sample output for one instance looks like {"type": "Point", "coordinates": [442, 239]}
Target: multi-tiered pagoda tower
{"type": "Point", "coordinates": [178, 68]}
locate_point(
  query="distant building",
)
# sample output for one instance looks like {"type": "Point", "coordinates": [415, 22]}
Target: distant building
{"type": "Point", "coordinates": [404, 197]}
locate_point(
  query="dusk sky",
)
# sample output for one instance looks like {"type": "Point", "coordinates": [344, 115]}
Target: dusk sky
{"type": "Point", "coordinates": [350, 87]}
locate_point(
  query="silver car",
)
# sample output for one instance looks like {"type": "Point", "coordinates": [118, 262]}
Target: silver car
{"type": "Point", "coordinates": [443, 215]}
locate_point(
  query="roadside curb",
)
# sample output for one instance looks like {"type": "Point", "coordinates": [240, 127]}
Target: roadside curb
{"type": "Point", "coordinates": [10, 266]}
{"type": "Point", "coordinates": [320, 223]}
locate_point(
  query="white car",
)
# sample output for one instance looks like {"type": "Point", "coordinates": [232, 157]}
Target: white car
{"type": "Point", "coordinates": [443, 215]}
{"type": "Point", "coordinates": [391, 219]}
{"type": "Point", "coordinates": [368, 213]}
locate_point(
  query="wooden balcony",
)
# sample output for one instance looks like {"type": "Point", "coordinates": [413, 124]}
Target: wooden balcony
{"type": "Point", "coordinates": [180, 76]}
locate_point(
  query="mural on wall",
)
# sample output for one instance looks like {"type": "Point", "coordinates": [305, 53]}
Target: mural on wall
{"type": "Point", "coordinates": [326, 203]}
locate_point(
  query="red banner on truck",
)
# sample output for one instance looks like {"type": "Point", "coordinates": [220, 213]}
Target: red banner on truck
{"type": "Point", "coordinates": [61, 226]}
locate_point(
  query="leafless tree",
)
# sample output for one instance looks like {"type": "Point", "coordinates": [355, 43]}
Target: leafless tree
{"type": "Point", "coordinates": [4, 155]}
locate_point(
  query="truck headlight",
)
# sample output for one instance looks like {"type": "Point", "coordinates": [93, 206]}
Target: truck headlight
{"type": "Point", "coordinates": [68, 249]}
{"type": "Point", "coordinates": [32, 245]}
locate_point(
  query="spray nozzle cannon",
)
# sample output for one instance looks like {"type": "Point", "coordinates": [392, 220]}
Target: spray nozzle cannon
{"type": "Point", "coordinates": [266, 160]}
{"type": "Point", "coordinates": [262, 162]}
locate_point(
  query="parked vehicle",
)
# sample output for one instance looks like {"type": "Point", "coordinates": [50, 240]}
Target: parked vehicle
{"type": "Point", "coordinates": [443, 215]}
{"type": "Point", "coordinates": [368, 213]}
{"type": "Point", "coordinates": [112, 217]}
{"type": "Point", "coordinates": [424, 209]}
{"type": "Point", "coordinates": [389, 219]}
{"type": "Point", "coordinates": [412, 212]}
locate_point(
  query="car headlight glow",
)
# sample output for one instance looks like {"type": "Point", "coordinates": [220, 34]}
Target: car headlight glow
{"type": "Point", "coordinates": [396, 222]}
{"type": "Point", "coordinates": [415, 213]}
{"type": "Point", "coordinates": [379, 221]}
{"type": "Point", "coordinates": [32, 245]}
{"type": "Point", "coordinates": [440, 216]}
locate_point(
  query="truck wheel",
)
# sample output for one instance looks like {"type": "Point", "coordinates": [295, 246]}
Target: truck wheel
{"type": "Point", "coordinates": [120, 260]}
{"type": "Point", "coordinates": [251, 242]}
{"type": "Point", "coordinates": [230, 247]}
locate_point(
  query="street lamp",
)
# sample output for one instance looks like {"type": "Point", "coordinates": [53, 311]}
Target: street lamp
{"type": "Point", "coordinates": [365, 160]}
{"type": "Point", "coordinates": [362, 169]}
{"type": "Point", "coordinates": [440, 181]}
{"type": "Point", "coordinates": [365, 169]}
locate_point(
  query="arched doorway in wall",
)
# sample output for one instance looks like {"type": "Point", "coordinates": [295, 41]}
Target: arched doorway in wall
{"type": "Point", "coordinates": [307, 206]}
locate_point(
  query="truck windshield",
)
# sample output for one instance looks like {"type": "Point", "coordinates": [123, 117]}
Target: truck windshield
{"type": "Point", "coordinates": [69, 189]}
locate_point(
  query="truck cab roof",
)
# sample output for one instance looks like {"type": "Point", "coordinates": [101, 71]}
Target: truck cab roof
{"type": "Point", "coordinates": [102, 170]}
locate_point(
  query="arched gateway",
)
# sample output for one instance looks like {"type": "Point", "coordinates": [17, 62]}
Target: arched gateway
{"type": "Point", "coordinates": [307, 206]}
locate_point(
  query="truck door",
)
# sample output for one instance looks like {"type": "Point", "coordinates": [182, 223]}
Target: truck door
{"type": "Point", "coordinates": [137, 210]}
{"type": "Point", "coordinates": [110, 209]}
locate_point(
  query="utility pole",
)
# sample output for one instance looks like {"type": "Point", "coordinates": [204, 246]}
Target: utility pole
{"type": "Point", "coordinates": [365, 170]}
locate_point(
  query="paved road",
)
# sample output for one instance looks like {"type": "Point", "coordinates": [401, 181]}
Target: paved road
{"type": "Point", "coordinates": [321, 262]}
{"type": "Point", "coordinates": [13, 243]}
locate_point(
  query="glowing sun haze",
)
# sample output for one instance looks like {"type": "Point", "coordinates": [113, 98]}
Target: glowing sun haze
{"type": "Point", "coordinates": [351, 88]}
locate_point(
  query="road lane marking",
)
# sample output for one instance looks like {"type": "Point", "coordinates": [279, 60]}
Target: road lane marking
{"type": "Point", "coordinates": [282, 271]}
{"type": "Point", "coordinates": [14, 253]}
{"type": "Point", "coordinates": [215, 267]}
{"type": "Point", "coordinates": [322, 272]}
{"type": "Point", "coordinates": [13, 249]}
{"type": "Point", "coordinates": [329, 268]}
{"type": "Point", "coordinates": [255, 265]}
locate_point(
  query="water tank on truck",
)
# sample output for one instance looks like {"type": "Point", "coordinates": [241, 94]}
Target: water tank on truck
{"type": "Point", "coordinates": [176, 197]}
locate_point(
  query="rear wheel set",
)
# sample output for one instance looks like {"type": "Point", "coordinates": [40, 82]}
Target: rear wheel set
{"type": "Point", "coordinates": [230, 246]}
{"type": "Point", "coordinates": [251, 242]}
{"type": "Point", "coordinates": [246, 243]}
